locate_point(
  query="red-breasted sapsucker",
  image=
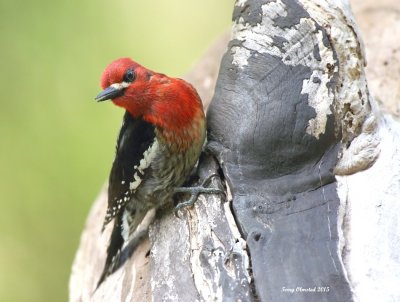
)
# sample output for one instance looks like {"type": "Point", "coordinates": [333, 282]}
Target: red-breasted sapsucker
{"type": "Point", "coordinates": [160, 141]}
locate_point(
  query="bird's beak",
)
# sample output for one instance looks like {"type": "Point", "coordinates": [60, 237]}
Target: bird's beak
{"type": "Point", "coordinates": [109, 93]}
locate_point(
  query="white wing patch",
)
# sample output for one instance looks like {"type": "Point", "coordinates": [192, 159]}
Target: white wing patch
{"type": "Point", "coordinates": [145, 162]}
{"type": "Point", "coordinates": [148, 157]}
{"type": "Point", "coordinates": [125, 225]}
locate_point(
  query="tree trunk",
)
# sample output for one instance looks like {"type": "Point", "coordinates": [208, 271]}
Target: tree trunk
{"type": "Point", "coordinates": [309, 164]}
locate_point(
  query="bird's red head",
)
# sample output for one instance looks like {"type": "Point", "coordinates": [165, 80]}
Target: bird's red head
{"type": "Point", "coordinates": [166, 102]}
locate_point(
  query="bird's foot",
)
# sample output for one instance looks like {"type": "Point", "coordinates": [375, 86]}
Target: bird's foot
{"type": "Point", "coordinates": [195, 192]}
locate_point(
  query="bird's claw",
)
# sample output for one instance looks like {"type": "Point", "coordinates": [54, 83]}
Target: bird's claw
{"type": "Point", "coordinates": [195, 192]}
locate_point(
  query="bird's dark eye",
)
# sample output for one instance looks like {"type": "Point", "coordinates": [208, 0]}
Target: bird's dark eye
{"type": "Point", "coordinates": [129, 76]}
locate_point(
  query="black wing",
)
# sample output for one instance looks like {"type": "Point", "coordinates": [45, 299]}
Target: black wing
{"type": "Point", "coordinates": [134, 139]}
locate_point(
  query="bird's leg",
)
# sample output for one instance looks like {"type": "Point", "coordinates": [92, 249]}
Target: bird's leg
{"type": "Point", "coordinates": [195, 192]}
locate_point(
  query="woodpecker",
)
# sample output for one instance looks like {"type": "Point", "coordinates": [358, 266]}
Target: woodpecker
{"type": "Point", "coordinates": [159, 143]}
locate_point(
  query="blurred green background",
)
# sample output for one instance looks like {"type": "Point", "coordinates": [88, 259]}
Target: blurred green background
{"type": "Point", "coordinates": [57, 144]}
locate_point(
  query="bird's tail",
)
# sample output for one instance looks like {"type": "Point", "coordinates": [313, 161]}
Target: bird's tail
{"type": "Point", "coordinates": [117, 253]}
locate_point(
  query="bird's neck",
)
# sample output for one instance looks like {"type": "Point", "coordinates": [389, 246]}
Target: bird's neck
{"type": "Point", "coordinates": [180, 139]}
{"type": "Point", "coordinates": [176, 111]}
